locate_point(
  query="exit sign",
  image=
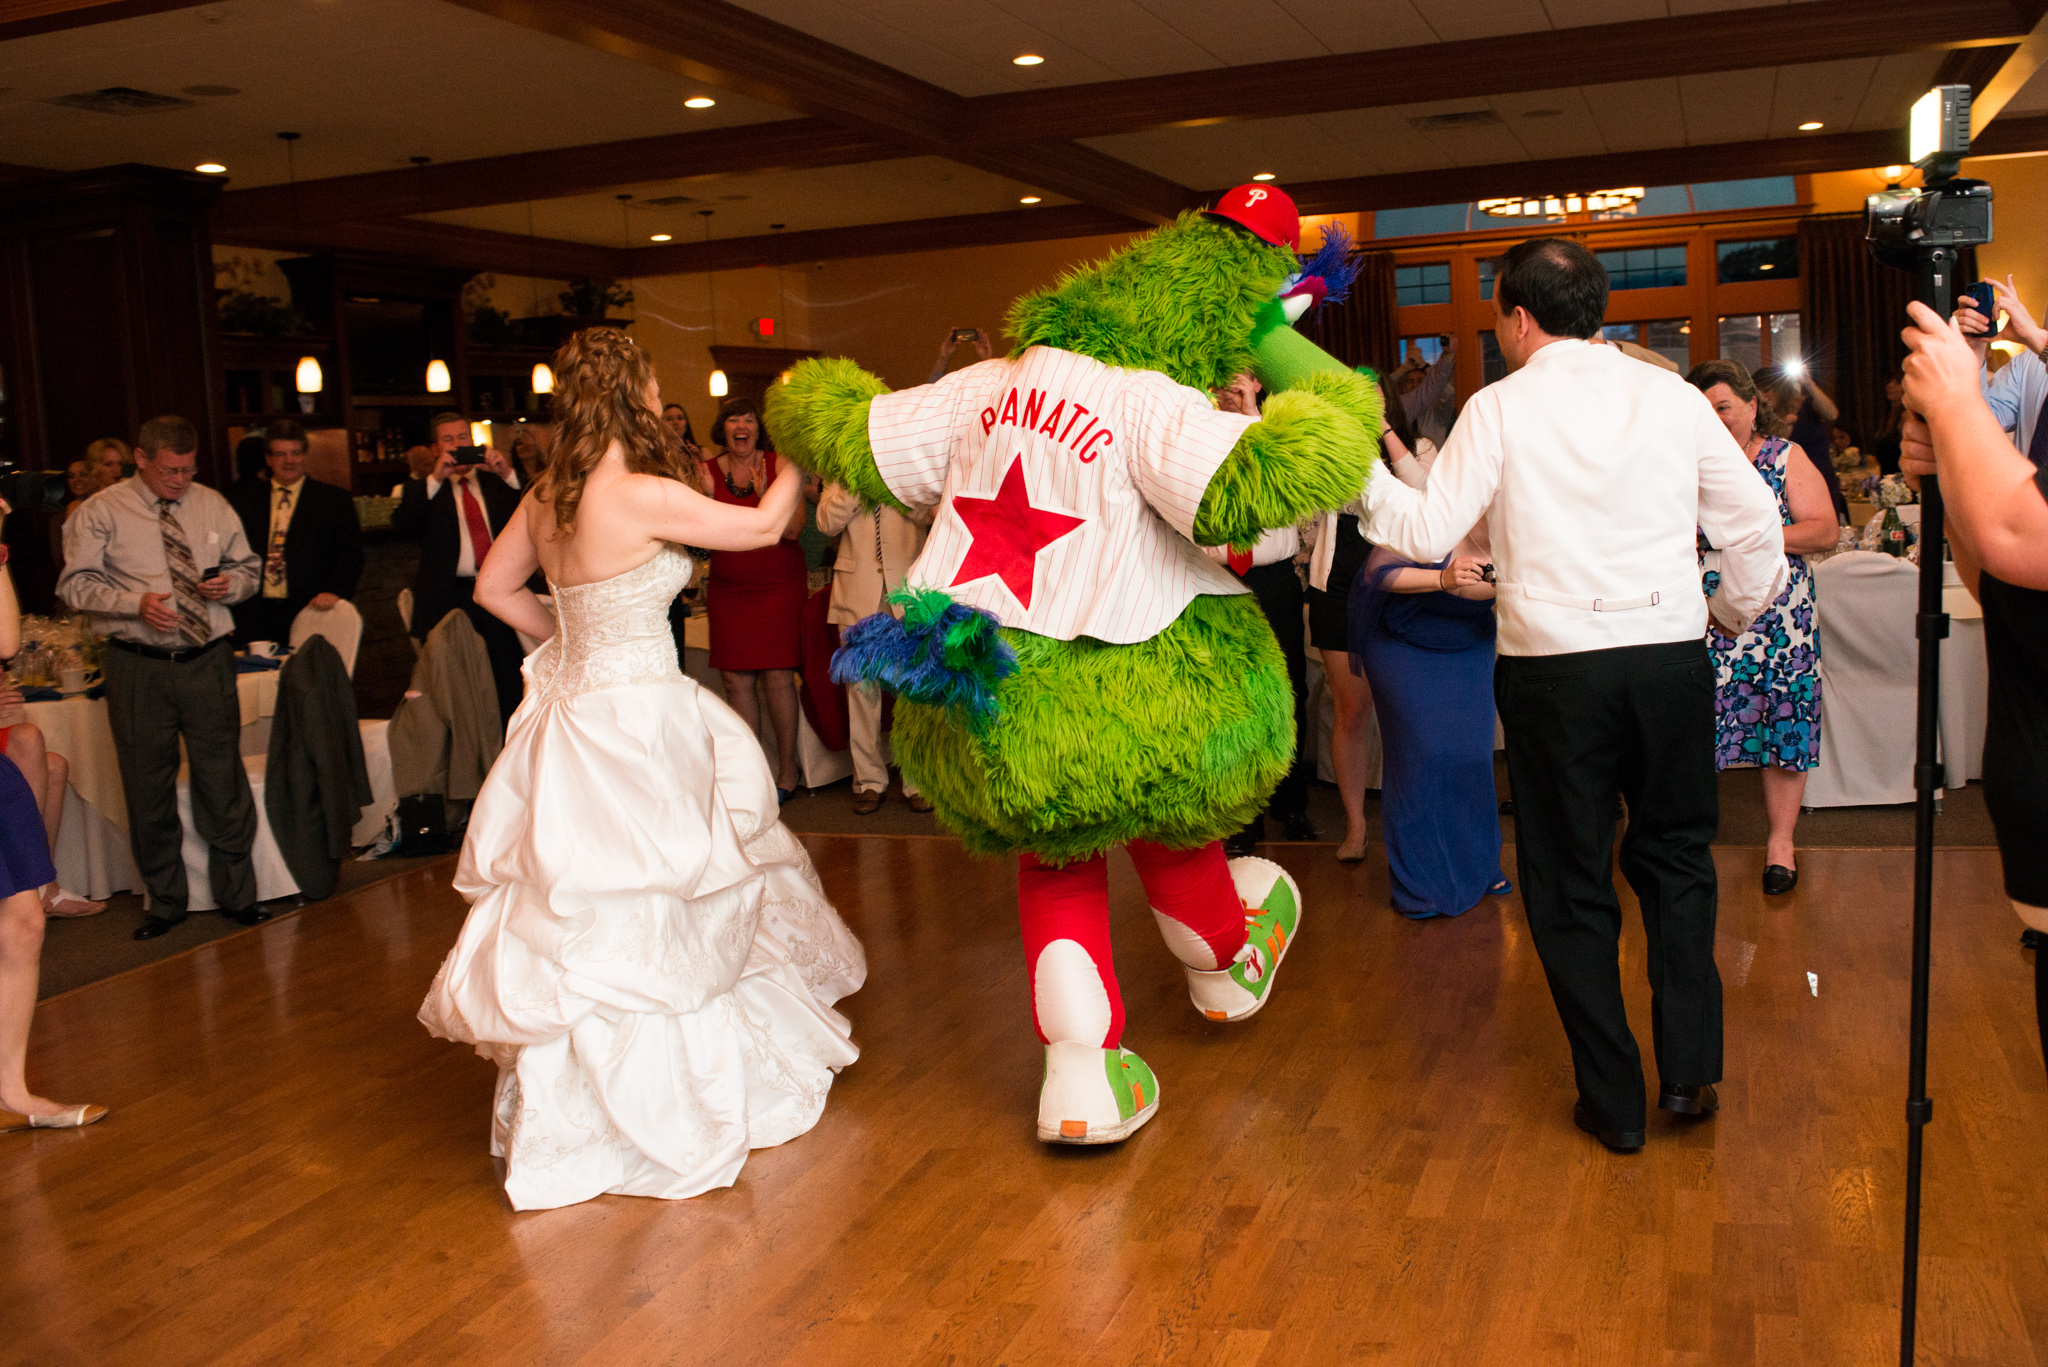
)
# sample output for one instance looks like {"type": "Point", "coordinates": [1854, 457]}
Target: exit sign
{"type": "Point", "coordinates": [762, 327]}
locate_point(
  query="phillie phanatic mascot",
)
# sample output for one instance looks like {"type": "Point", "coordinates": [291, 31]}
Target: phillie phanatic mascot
{"type": "Point", "coordinates": [1073, 673]}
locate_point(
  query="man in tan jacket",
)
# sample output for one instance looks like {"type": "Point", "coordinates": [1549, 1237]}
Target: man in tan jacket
{"type": "Point", "coordinates": [876, 548]}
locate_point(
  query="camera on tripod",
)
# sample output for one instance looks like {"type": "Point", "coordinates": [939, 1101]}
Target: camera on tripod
{"type": "Point", "coordinates": [1904, 226]}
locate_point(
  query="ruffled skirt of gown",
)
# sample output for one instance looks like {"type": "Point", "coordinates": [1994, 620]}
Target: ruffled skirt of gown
{"type": "Point", "coordinates": [648, 958]}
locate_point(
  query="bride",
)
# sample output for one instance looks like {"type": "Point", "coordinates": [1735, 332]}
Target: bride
{"type": "Point", "coordinates": [649, 958]}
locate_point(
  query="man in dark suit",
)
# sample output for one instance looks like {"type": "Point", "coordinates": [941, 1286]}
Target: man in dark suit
{"type": "Point", "coordinates": [306, 532]}
{"type": "Point", "coordinates": [454, 513]}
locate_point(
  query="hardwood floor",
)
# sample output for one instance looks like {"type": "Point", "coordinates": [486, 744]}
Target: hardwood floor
{"type": "Point", "coordinates": [1381, 1167]}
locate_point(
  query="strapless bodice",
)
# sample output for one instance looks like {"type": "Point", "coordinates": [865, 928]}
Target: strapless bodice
{"type": "Point", "coordinates": [613, 632]}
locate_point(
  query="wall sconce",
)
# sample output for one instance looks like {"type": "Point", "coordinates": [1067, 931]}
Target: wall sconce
{"type": "Point", "coordinates": [543, 378]}
{"type": "Point", "coordinates": [718, 385]}
{"type": "Point", "coordinates": [437, 377]}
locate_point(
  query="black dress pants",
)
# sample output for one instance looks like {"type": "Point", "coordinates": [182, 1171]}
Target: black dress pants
{"type": "Point", "coordinates": [1637, 720]}
{"type": "Point", "coordinates": [150, 705]}
{"type": "Point", "coordinates": [1278, 588]}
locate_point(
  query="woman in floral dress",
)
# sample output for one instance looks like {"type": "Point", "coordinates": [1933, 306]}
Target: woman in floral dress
{"type": "Point", "coordinates": [1767, 704]}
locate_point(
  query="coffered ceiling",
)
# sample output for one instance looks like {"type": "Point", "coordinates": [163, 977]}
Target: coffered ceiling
{"type": "Point", "coordinates": [876, 125]}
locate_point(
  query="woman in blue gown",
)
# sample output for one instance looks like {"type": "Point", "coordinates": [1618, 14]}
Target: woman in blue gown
{"type": "Point", "coordinates": [1423, 635]}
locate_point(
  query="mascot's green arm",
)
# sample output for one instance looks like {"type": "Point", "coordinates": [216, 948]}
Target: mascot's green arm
{"type": "Point", "coordinates": [1312, 449]}
{"type": "Point", "coordinates": [820, 421]}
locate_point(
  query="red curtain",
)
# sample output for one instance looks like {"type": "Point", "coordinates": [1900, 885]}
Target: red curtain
{"type": "Point", "coordinates": [1361, 330]}
{"type": "Point", "coordinates": [1855, 309]}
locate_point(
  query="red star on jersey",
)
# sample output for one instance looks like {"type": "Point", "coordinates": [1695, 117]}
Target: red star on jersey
{"type": "Point", "coordinates": [1008, 534]}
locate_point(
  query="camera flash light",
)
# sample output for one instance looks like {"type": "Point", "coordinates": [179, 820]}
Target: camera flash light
{"type": "Point", "coordinates": [1940, 125]}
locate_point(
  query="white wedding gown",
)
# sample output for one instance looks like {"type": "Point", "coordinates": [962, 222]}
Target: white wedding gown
{"type": "Point", "coordinates": [649, 958]}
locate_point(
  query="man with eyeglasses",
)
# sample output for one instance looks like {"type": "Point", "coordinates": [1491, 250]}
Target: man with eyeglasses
{"type": "Point", "coordinates": [157, 559]}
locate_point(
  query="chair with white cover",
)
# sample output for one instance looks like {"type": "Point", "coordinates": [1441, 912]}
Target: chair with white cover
{"type": "Point", "coordinates": [1864, 606]}
{"type": "Point", "coordinates": [341, 624]}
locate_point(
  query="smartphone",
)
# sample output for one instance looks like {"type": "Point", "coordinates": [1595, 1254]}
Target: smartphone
{"type": "Point", "coordinates": [966, 334]}
{"type": "Point", "coordinates": [470, 455]}
{"type": "Point", "coordinates": [1979, 294]}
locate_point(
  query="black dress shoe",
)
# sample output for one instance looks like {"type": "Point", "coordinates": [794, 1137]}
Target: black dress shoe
{"type": "Point", "coordinates": [1688, 1100]}
{"type": "Point", "coordinates": [2031, 938]}
{"type": "Point", "coordinates": [1779, 880]}
{"type": "Point", "coordinates": [1620, 1141]}
{"type": "Point", "coordinates": [153, 927]}
{"type": "Point", "coordinates": [1507, 806]}
{"type": "Point", "coordinates": [1298, 827]}
{"type": "Point", "coordinates": [248, 916]}
{"type": "Point", "coordinates": [1243, 843]}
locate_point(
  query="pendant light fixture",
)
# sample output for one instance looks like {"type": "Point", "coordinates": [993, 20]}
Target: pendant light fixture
{"type": "Point", "coordinates": [307, 380]}
{"type": "Point", "coordinates": [438, 381]}
{"type": "Point", "coordinates": [543, 375]}
{"type": "Point", "coordinates": [719, 387]}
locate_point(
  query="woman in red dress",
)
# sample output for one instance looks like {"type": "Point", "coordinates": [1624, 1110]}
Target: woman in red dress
{"type": "Point", "coordinates": [756, 597]}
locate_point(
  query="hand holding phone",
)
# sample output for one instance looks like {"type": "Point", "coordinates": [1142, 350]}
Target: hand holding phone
{"type": "Point", "coordinates": [470, 455]}
{"type": "Point", "coordinates": [1979, 297]}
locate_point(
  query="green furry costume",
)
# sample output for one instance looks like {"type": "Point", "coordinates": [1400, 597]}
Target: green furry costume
{"type": "Point", "coordinates": [1178, 739]}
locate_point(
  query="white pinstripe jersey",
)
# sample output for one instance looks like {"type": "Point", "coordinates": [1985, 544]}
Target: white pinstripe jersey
{"type": "Point", "coordinates": [1067, 490]}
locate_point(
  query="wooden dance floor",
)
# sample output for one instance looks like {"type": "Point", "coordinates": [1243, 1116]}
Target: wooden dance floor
{"type": "Point", "coordinates": [1380, 1168]}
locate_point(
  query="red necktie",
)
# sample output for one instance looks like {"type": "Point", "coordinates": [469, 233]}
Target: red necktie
{"type": "Point", "coordinates": [473, 514]}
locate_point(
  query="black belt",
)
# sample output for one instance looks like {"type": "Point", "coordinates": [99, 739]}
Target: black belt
{"type": "Point", "coordinates": [176, 657]}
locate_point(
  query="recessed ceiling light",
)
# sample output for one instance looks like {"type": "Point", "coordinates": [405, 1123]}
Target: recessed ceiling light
{"type": "Point", "coordinates": [1029, 199]}
{"type": "Point", "coordinates": [1028, 59]}
{"type": "Point", "coordinates": [210, 168]}
{"type": "Point", "coordinates": [660, 237]}
{"type": "Point", "coordinates": [1263, 175]}
{"type": "Point", "coordinates": [699, 102]}
{"type": "Point", "coordinates": [1767, 266]}
{"type": "Point", "coordinates": [1810, 125]}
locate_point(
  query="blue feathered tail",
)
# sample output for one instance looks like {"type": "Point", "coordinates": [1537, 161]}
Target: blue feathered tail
{"type": "Point", "coordinates": [943, 653]}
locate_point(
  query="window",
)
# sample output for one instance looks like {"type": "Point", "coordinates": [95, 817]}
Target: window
{"type": "Point", "coordinates": [1644, 268]}
{"type": "Point", "coordinates": [1772, 258]}
{"type": "Point", "coordinates": [1761, 339]}
{"type": "Point", "coordinates": [1744, 194]}
{"type": "Point", "coordinates": [1430, 284]}
{"type": "Point", "coordinates": [1785, 338]}
{"type": "Point", "coordinates": [1670, 338]}
{"type": "Point", "coordinates": [1742, 340]}
{"type": "Point", "coordinates": [1486, 277]}
{"type": "Point", "coordinates": [1492, 365]}
{"type": "Point", "coordinates": [1432, 218]}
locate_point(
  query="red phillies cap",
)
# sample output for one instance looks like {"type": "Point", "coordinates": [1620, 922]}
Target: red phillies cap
{"type": "Point", "coordinates": [1266, 210]}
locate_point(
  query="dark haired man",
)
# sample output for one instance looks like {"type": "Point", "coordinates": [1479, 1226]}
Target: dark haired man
{"type": "Point", "coordinates": [455, 512]}
{"type": "Point", "coordinates": [1593, 472]}
{"type": "Point", "coordinates": [307, 533]}
{"type": "Point", "coordinates": [156, 560]}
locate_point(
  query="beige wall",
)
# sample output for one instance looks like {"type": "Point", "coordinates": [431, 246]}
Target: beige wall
{"type": "Point", "coordinates": [2019, 215]}
{"type": "Point", "coordinates": [886, 312]}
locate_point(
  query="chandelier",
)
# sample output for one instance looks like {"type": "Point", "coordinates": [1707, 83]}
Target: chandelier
{"type": "Point", "coordinates": [1615, 203]}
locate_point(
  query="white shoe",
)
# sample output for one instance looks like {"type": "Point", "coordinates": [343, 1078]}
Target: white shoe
{"type": "Point", "coordinates": [1093, 1095]}
{"type": "Point", "coordinates": [1272, 913]}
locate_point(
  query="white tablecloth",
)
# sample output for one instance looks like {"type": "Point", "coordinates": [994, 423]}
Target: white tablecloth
{"type": "Point", "coordinates": [1869, 664]}
{"type": "Point", "coordinates": [92, 855]}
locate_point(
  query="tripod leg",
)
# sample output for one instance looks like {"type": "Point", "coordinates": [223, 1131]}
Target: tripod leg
{"type": "Point", "coordinates": [2041, 999]}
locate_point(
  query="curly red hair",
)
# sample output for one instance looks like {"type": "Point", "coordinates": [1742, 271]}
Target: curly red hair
{"type": "Point", "coordinates": [604, 383]}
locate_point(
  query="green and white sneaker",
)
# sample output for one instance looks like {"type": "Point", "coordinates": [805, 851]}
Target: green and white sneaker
{"type": "Point", "coordinates": [1272, 912]}
{"type": "Point", "coordinates": [1094, 1096]}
